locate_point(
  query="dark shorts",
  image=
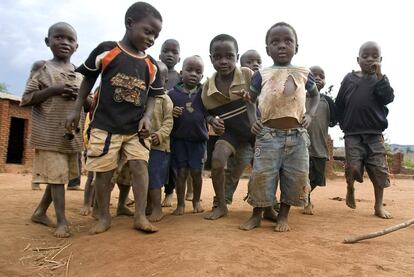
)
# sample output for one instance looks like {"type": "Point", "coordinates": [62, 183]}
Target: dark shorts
{"type": "Point", "coordinates": [233, 140]}
{"type": "Point", "coordinates": [158, 168]}
{"type": "Point", "coordinates": [317, 172]}
{"type": "Point", "coordinates": [366, 151]}
{"type": "Point", "coordinates": [188, 154]}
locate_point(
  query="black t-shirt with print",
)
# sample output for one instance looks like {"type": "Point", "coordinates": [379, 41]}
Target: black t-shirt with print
{"type": "Point", "coordinates": [127, 80]}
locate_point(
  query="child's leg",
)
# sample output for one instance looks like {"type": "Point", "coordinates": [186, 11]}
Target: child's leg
{"type": "Point", "coordinates": [189, 193]}
{"type": "Point", "coordinates": [196, 176]}
{"type": "Point", "coordinates": [169, 188]}
{"type": "Point", "coordinates": [58, 196]}
{"type": "Point", "coordinates": [379, 206]}
{"type": "Point", "coordinates": [282, 218]}
{"type": "Point", "coordinates": [254, 221]}
{"type": "Point", "coordinates": [122, 208]}
{"type": "Point", "coordinates": [219, 159]}
{"type": "Point", "coordinates": [39, 215]}
{"type": "Point", "coordinates": [156, 213]}
{"type": "Point", "coordinates": [182, 174]}
{"type": "Point", "coordinates": [235, 167]}
{"type": "Point", "coordinates": [308, 209]}
{"type": "Point", "coordinates": [88, 195]}
{"type": "Point", "coordinates": [103, 195]}
{"type": "Point", "coordinates": [139, 174]}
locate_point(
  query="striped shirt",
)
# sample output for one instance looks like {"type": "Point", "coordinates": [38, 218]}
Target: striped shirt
{"type": "Point", "coordinates": [48, 117]}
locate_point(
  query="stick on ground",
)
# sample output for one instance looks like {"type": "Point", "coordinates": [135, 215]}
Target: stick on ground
{"type": "Point", "coordinates": [379, 233]}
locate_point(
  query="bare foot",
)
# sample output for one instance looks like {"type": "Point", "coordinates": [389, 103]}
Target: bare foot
{"type": "Point", "coordinates": [382, 213]}
{"type": "Point", "coordinates": [167, 200]}
{"type": "Point", "coordinates": [308, 209]}
{"type": "Point", "coordinates": [42, 219]}
{"type": "Point", "coordinates": [197, 208]}
{"type": "Point", "coordinates": [350, 198]}
{"type": "Point", "coordinates": [156, 215]}
{"type": "Point", "coordinates": [95, 214]}
{"type": "Point", "coordinates": [179, 210]}
{"type": "Point", "coordinates": [253, 222]}
{"type": "Point", "coordinates": [282, 226]}
{"type": "Point", "coordinates": [123, 210]}
{"type": "Point", "coordinates": [189, 196]}
{"type": "Point", "coordinates": [101, 226]}
{"type": "Point", "coordinates": [142, 223]}
{"type": "Point", "coordinates": [269, 213]}
{"type": "Point", "coordinates": [85, 210]}
{"type": "Point", "coordinates": [217, 213]}
{"type": "Point", "coordinates": [62, 231]}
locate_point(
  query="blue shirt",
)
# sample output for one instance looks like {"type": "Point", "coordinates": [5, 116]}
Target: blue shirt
{"type": "Point", "coordinates": [191, 124]}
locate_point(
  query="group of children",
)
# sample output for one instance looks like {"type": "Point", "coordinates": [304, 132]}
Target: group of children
{"type": "Point", "coordinates": [149, 136]}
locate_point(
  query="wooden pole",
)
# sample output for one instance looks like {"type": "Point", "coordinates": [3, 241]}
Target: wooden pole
{"type": "Point", "coordinates": [379, 233]}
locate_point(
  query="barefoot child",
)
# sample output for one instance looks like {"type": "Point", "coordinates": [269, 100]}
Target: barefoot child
{"type": "Point", "coordinates": [189, 135]}
{"type": "Point", "coordinates": [122, 117]}
{"type": "Point", "coordinates": [318, 134]}
{"type": "Point", "coordinates": [170, 56]}
{"type": "Point", "coordinates": [159, 160]}
{"type": "Point", "coordinates": [52, 89]}
{"type": "Point", "coordinates": [362, 114]}
{"type": "Point", "coordinates": [229, 113]}
{"type": "Point", "coordinates": [251, 59]}
{"type": "Point", "coordinates": [281, 146]}
{"type": "Point", "coordinates": [244, 154]}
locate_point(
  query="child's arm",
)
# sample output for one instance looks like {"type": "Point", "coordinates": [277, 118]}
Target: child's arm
{"type": "Point", "coordinates": [313, 105]}
{"type": "Point", "coordinates": [167, 123]}
{"type": "Point", "coordinates": [72, 120]}
{"type": "Point", "coordinates": [144, 125]}
{"type": "Point", "coordinates": [340, 101]}
{"type": "Point", "coordinates": [333, 120]}
{"type": "Point", "coordinates": [35, 94]}
{"type": "Point", "coordinates": [383, 90]}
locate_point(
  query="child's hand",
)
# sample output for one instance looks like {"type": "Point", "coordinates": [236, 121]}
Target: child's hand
{"type": "Point", "coordinates": [144, 127]}
{"type": "Point", "coordinates": [155, 140]}
{"type": "Point", "coordinates": [243, 94]}
{"type": "Point", "coordinates": [218, 125]}
{"type": "Point", "coordinates": [306, 120]}
{"type": "Point", "coordinates": [64, 89]}
{"type": "Point", "coordinates": [376, 67]}
{"type": "Point", "coordinates": [257, 127]}
{"type": "Point", "coordinates": [72, 121]}
{"type": "Point", "coordinates": [177, 111]}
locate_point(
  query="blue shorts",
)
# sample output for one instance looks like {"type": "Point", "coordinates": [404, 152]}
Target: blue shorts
{"type": "Point", "coordinates": [188, 154]}
{"type": "Point", "coordinates": [158, 168]}
{"type": "Point", "coordinates": [284, 153]}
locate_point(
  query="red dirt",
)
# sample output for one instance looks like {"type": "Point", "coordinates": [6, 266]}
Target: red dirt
{"type": "Point", "coordinates": [191, 246]}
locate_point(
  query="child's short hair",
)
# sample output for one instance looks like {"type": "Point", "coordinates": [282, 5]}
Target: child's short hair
{"type": "Point", "coordinates": [58, 24]}
{"type": "Point", "coordinates": [283, 24]}
{"type": "Point", "coordinates": [224, 37]}
{"type": "Point", "coordinates": [140, 10]}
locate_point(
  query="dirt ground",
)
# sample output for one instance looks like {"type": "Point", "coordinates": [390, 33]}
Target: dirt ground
{"type": "Point", "coordinates": [191, 246]}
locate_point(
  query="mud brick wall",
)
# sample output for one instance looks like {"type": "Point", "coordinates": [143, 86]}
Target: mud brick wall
{"type": "Point", "coordinates": [8, 109]}
{"type": "Point", "coordinates": [397, 163]}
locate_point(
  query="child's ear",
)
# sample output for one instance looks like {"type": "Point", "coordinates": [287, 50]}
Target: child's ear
{"type": "Point", "coordinates": [76, 48]}
{"type": "Point", "coordinates": [47, 41]}
{"type": "Point", "coordinates": [267, 51]}
{"type": "Point", "coordinates": [211, 58]}
{"type": "Point", "coordinates": [296, 48]}
{"type": "Point", "coordinates": [380, 59]}
{"type": "Point", "coordinates": [179, 59]}
{"type": "Point", "coordinates": [128, 22]}
{"type": "Point", "coordinates": [181, 73]}
{"type": "Point", "coordinates": [237, 57]}
{"type": "Point", "coordinates": [358, 60]}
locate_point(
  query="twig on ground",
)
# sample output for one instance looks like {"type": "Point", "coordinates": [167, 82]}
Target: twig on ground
{"type": "Point", "coordinates": [379, 233]}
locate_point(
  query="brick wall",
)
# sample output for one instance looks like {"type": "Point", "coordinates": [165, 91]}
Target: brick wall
{"type": "Point", "coordinates": [8, 109]}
